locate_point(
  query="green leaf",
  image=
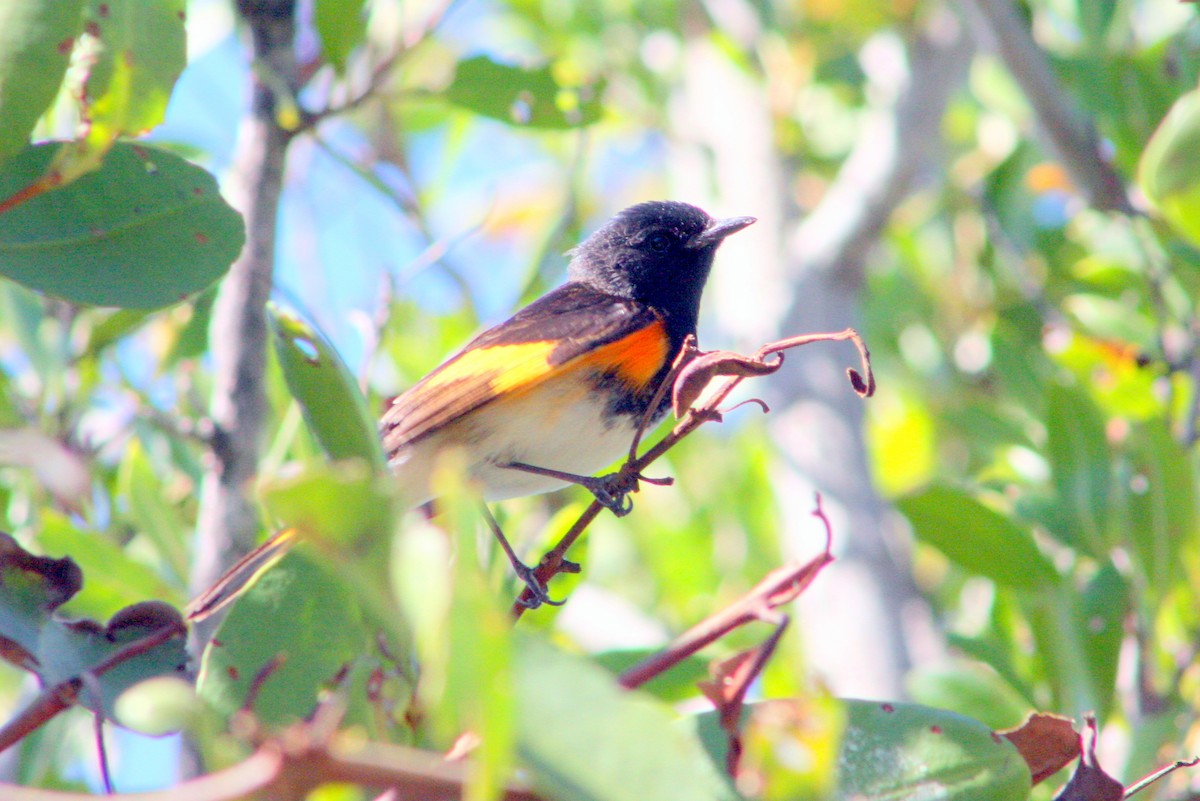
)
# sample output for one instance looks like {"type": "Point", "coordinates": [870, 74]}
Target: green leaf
{"type": "Point", "coordinates": [145, 230]}
{"type": "Point", "coordinates": [1169, 171]}
{"type": "Point", "coordinates": [1055, 618]}
{"type": "Point", "coordinates": [969, 689]}
{"type": "Point", "coordinates": [341, 503]}
{"type": "Point", "coordinates": [901, 751]}
{"type": "Point", "coordinates": [36, 39]}
{"type": "Point", "coordinates": [156, 518]}
{"type": "Point", "coordinates": [1162, 506]}
{"type": "Point", "coordinates": [524, 97]}
{"type": "Point", "coordinates": [978, 538]}
{"type": "Point", "coordinates": [341, 26]}
{"type": "Point", "coordinates": [479, 666]}
{"type": "Point", "coordinates": [139, 50]}
{"type": "Point", "coordinates": [581, 738]}
{"type": "Point", "coordinates": [887, 751]}
{"type": "Point", "coordinates": [333, 406]}
{"type": "Point", "coordinates": [59, 650]}
{"type": "Point", "coordinates": [1080, 464]}
{"type": "Point", "coordinates": [1106, 602]}
{"type": "Point", "coordinates": [289, 635]}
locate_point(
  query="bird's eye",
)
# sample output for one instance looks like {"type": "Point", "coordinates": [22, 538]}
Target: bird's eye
{"type": "Point", "coordinates": [659, 243]}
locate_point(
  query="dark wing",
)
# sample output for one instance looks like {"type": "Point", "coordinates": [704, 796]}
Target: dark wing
{"type": "Point", "coordinates": [537, 342]}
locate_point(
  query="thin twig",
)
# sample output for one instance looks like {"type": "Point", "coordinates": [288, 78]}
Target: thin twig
{"type": "Point", "coordinates": [864, 384]}
{"type": "Point", "coordinates": [779, 587]}
{"type": "Point", "coordinates": [1146, 781]}
{"type": "Point", "coordinates": [64, 695]}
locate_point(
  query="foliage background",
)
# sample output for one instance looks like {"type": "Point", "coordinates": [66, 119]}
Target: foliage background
{"type": "Point", "coordinates": [1015, 511]}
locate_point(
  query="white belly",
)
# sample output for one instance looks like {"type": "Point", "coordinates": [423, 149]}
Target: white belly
{"type": "Point", "coordinates": [579, 439]}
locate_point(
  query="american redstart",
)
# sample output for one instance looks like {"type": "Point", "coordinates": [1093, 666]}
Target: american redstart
{"type": "Point", "coordinates": [562, 386]}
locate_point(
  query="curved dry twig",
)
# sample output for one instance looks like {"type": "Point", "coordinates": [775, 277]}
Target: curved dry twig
{"type": "Point", "coordinates": [734, 369]}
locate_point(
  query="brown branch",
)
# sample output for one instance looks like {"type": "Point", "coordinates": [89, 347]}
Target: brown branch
{"type": "Point", "coordinates": [228, 520]}
{"type": "Point", "coordinates": [779, 587]}
{"type": "Point", "coordinates": [1070, 133]}
{"type": "Point", "coordinates": [1146, 781]}
{"type": "Point", "coordinates": [552, 563]}
{"type": "Point", "coordinates": [288, 768]}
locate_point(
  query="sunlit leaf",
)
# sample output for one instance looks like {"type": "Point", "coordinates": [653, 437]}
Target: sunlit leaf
{"type": "Point", "coordinates": [977, 537]}
{"type": "Point", "coordinates": [523, 97]}
{"type": "Point", "coordinates": [35, 41]}
{"type": "Point", "coordinates": [341, 26]}
{"type": "Point", "coordinates": [333, 406]}
{"type": "Point", "coordinates": [1169, 172]}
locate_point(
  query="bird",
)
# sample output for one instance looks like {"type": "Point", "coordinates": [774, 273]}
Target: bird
{"type": "Point", "coordinates": [558, 391]}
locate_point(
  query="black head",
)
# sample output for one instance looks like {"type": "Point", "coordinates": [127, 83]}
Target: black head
{"type": "Point", "coordinates": [657, 253]}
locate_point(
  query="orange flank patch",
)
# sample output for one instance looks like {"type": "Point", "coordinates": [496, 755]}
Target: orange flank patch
{"type": "Point", "coordinates": [637, 358]}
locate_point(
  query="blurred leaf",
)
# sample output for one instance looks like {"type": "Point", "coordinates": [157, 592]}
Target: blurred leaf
{"type": "Point", "coordinates": [576, 731]}
{"type": "Point", "coordinates": [978, 538]}
{"type": "Point", "coordinates": [113, 328]}
{"type": "Point", "coordinates": [1056, 620]}
{"type": "Point", "coordinates": [341, 26]}
{"type": "Point", "coordinates": [153, 515]}
{"type": "Point", "coordinates": [143, 231]}
{"type": "Point", "coordinates": [1094, 19]}
{"type": "Point", "coordinates": [287, 638]}
{"type": "Point", "coordinates": [969, 690]}
{"type": "Point", "coordinates": [1163, 520]}
{"type": "Point", "coordinates": [1109, 318]}
{"type": "Point", "coordinates": [479, 671]}
{"type": "Point", "coordinates": [1169, 172]}
{"type": "Point", "coordinates": [58, 650]}
{"type": "Point", "coordinates": [36, 39]}
{"type": "Point", "coordinates": [342, 503]}
{"type": "Point", "coordinates": [333, 406]}
{"type": "Point", "coordinates": [523, 97]}
{"type": "Point", "coordinates": [1106, 603]}
{"type": "Point", "coordinates": [1080, 464]}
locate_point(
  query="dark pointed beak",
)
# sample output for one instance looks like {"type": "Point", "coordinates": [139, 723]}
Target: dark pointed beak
{"type": "Point", "coordinates": [715, 233]}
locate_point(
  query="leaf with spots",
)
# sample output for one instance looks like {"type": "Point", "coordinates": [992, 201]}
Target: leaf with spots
{"type": "Point", "coordinates": [886, 751]}
{"type": "Point", "coordinates": [139, 49]}
{"type": "Point", "coordinates": [289, 637]}
{"type": "Point", "coordinates": [134, 52]}
{"type": "Point", "coordinates": [82, 657]}
{"type": "Point", "coordinates": [145, 230]}
{"type": "Point", "coordinates": [35, 42]}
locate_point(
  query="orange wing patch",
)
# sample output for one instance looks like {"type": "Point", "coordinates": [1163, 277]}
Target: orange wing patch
{"type": "Point", "coordinates": [635, 359]}
{"type": "Point", "coordinates": [507, 368]}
